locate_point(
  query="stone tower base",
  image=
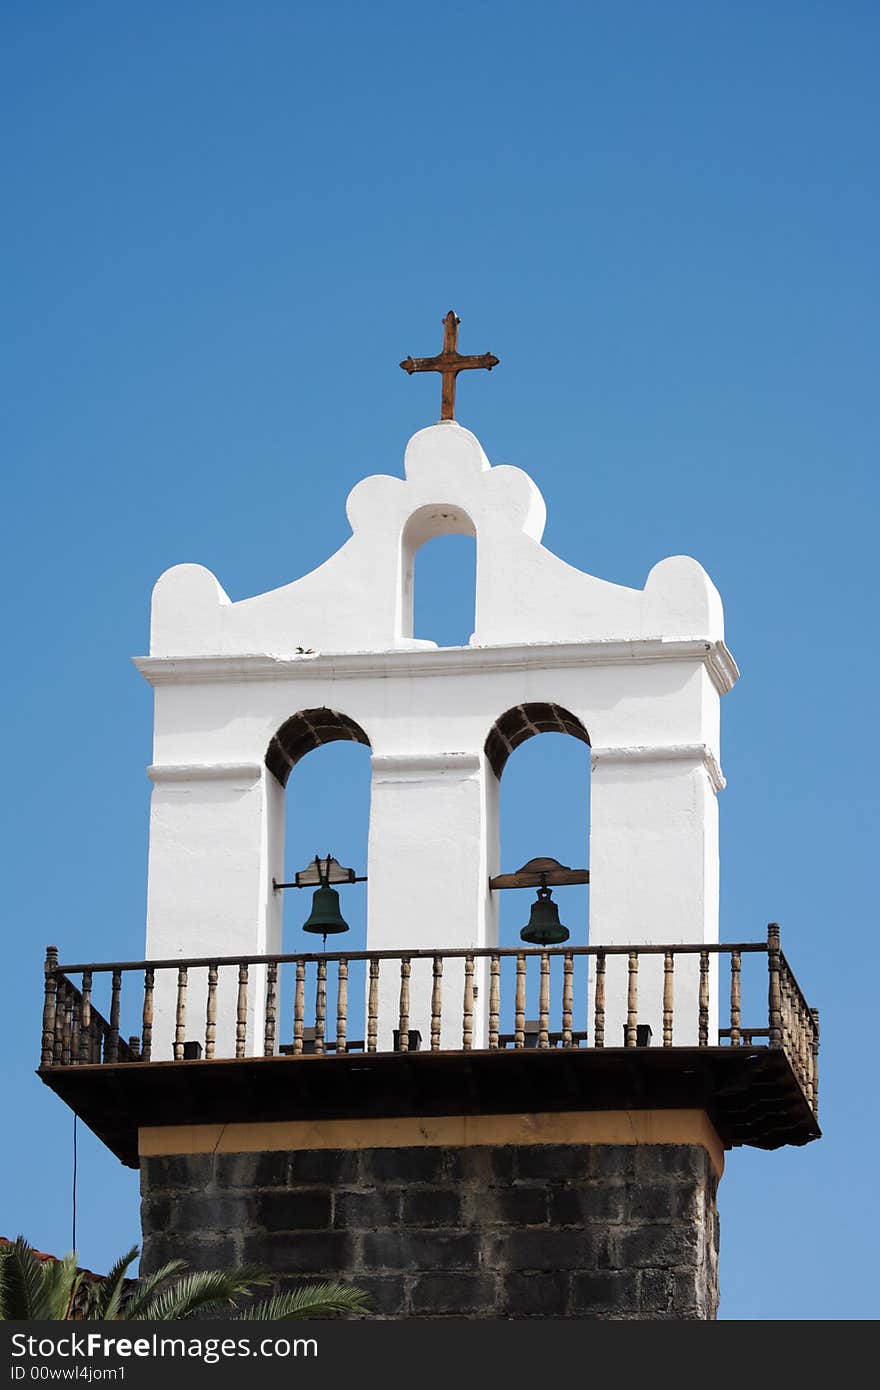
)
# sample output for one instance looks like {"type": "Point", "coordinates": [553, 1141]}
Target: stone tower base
{"type": "Point", "coordinates": [589, 1215]}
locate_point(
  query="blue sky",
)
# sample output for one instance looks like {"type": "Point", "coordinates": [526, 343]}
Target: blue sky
{"type": "Point", "coordinates": [225, 224]}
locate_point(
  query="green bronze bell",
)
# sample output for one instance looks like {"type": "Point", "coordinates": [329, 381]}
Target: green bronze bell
{"type": "Point", "coordinates": [544, 927]}
{"type": "Point", "coordinates": [325, 918]}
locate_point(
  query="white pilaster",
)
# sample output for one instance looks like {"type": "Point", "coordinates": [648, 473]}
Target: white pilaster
{"type": "Point", "coordinates": [654, 876]}
{"type": "Point", "coordinates": [216, 838]}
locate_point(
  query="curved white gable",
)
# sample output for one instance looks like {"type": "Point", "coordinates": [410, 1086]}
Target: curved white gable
{"type": "Point", "coordinates": [360, 599]}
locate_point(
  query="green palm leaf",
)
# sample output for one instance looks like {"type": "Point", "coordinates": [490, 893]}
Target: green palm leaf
{"type": "Point", "coordinates": [22, 1281]}
{"type": "Point", "coordinates": [310, 1302]}
{"type": "Point", "coordinates": [206, 1291]}
{"type": "Point", "coordinates": [108, 1294]}
{"type": "Point", "coordinates": [133, 1307]}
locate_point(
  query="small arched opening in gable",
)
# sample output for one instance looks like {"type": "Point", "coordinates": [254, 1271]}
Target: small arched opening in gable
{"type": "Point", "coordinates": [326, 811]}
{"type": "Point", "coordinates": [542, 810]}
{"type": "Point", "coordinates": [439, 571]}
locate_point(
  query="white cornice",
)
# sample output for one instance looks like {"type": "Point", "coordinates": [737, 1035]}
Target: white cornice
{"type": "Point", "coordinates": [409, 766]}
{"type": "Point", "coordinates": [444, 661]}
{"type": "Point", "coordinates": [205, 772]}
{"type": "Point", "coordinates": [669, 752]}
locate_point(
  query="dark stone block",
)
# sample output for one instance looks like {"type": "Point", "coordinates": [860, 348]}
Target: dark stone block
{"type": "Point", "coordinates": [405, 1165]}
{"type": "Point", "coordinates": [535, 1295]}
{"type": "Point", "coordinates": [436, 1206]}
{"type": "Point", "coordinates": [179, 1171]}
{"type": "Point", "coordinates": [239, 1171]}
{"type": "Point", "coordinates": [307, 1210]}
{"type": "Point", "coordinates": [613, 1161]}
{"type": "Point", "coordinates": [604, 1291]}
{"type": "Point", "coordinates": [572, 1206]}
{"type": "Point", "coordinates": [328, 1167]}
{"type": "Point", "coordinates": [521, 1206]}
{"type": "Point", "coordinates": [387, 1293]}
{"type": "Point", "coordinates": [272, 1169]}
{"type": "Point", "coordinates": [550, 1161]}
{"type": "Point", "coordinates": [655, 1161]}
{"type": "Point", "coordinates": [221, 1253]}
{"type": "Point", "coordinates": [320, 1254]}
{"type": "Point", "coordinates": [204, 1213]}
{"type": "Point", "coordinates": [503, 1163]}
{"type": "Point", "coordinates": [661, 1201]}
{"type": "Point", "coordinates": [689, 1291]}
{"type": "Point", "coordinates": [384, 1250]}
{"type": "Point", "coordinates": [656, 1246]}
{"type": "Point", "coordinates": [420, 1250]}
{"type": "Point", "coordinates": [461, 1294]}
{"type": "Point", "coordinates": [363, 1210]}
{"type": "Point", "coordinates": [552, 1249]}
{"type": "Point", "coordinates": [155, 1214]}
{"type": "Point", "coordinates": [655, 1292]}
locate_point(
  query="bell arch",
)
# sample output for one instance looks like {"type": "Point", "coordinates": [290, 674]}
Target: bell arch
{"type": "Point", "coordinates": [523, 722]}
{"type": "Point", "coordinates": [452, 564]}
{"type": "Point", "coordinates": [538, 807]}
{"type": "Point", "coordinates": [305, 731]}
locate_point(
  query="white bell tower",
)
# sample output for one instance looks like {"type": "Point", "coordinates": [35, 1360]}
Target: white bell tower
{"type": "Point", "coordinates": [244, 690]}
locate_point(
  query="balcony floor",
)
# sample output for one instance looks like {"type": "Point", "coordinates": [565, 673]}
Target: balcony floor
{"type": "Point", "coordinates": [750, 1094]}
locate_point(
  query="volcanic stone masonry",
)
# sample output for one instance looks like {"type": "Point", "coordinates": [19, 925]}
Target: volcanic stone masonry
{"type": "Point", "coordinates": [580, 1231]}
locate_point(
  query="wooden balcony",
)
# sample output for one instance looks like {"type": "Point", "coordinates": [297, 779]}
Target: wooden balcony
{"type": "Point", "coordinates": [430, 1033]}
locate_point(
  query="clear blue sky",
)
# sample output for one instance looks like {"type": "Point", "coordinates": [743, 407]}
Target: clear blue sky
{"type": "Point", "coordinates": [225, 224]}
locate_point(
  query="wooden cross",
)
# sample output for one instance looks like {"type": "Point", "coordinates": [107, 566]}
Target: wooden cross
{"type": "Point", "coordinates": [449, 363]}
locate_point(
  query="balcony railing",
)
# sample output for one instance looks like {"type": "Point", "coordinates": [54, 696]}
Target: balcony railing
{"type": "Point", "coordinates": [573, 1004]}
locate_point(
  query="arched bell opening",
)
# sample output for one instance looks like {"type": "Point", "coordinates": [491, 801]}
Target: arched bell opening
{"type": "Point", "coordinates": [439, 573]}
{"type": "Point", "coordinates": [543, 815]}
{"type": "Point", "coordinates": [322, 759]}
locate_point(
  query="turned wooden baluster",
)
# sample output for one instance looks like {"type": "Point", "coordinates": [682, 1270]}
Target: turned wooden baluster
{"type": "Point", "coordinates": [704, 999]}
{"type": "Point", "coordinates": [342, 1007]}
{"type": "Point", "coordinates": [76, 1007]}
{"type": "Point", "coordinates": [241, 1012]}
{"type": "Point", "coordinates": [803, 1048]}
{"type": "Point", "coordinates": [134, 1047]}
{"type": "Point", "coordinates": [271, 1009]}
{"type": "Point", "coordinates": [599, 1002]}
{"type": "Point", "coordinates": [785, 1009]}
{"type": "Point", "coordinates": [211, 1012]}
{"type": "Point", "coordinates": [632, 999]}
{"type": "Point", "coordinates": [774, 997]}
{"type": "Point", "coordinates": [60, 1005]}
{"type": "Point", "coordinates": [111, 1053]}
{"type": "Point", "coordinates": [494, 1000]}
{"type": "Point", "coordinates": [66, 1028]}
{"type": "Point", "coordinates": [467, 1025]}
{"type": "Point", "coordinates": [436, 1003]}
{"type": "Point", "coordinates": [50, 995]}
{"type": "Point", "coordinates": [544, 1002]}
{"type": "Point", "coordinates": [520, 1001]}
{"type": "Point", "coordinates": [320, 1007]}
{"type": "Point", "coordinates": [180, 1017]}
{"type": "Point", "coordinates": [567, 997]}
{"type": "Point", "coordinates": [373, 1007]}
{"type": "Point", "coordinates": [814, 1062]}
{"type": "Point", "coordinates": [403, 1011]}
{"type": "Point", "coordinates": [299, 1007]}
{"type": "Point", "coordinates": [86, 1018]}
{"type": "Point", "coordinates": [735, 998]}
{"type": "Point", "coordinates": [147, 1020]}
{"type": "Point", "coordinates": [668, 997]}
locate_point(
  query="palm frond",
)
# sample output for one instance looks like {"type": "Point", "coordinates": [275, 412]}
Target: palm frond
{"type": "Point", "coordinates": [111, 1288]}
{"type": "Point", "coordinates": [314, 1300]}
{"type": "Point", "coordinates": [203, 1291]}
{"type": "Point", "coordinates": [133, 1307]}
{"type": "Point", "coordinates": [60, 1282]}
{"type": "Point", "coordinates": [22, 1282]}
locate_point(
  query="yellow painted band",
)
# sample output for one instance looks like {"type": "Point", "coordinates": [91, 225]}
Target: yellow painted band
{"type": "Point", "coordinates": [446, 1131]}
